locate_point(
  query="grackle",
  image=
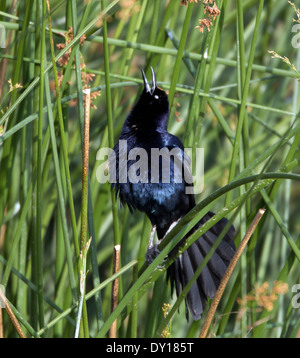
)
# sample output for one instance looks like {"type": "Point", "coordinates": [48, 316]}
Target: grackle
{"type": "Point", "coordinates": [165, 201]}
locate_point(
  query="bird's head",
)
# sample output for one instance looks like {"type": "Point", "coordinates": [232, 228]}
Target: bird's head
{"type": "Point", "coordinates": [152, 108]}
{"type": "Point", "coordinates": [154, 97]}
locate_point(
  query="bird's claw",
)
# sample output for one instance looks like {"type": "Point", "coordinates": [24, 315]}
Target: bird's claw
{"type": "Point", "coordinates": [152, 254]}
{"type": "Point", "coordinates": [153, 250]}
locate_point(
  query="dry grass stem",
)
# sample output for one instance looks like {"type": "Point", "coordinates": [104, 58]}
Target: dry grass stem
{"type": "Point", "coordinates": [12, 316]}
{"type": "Point", "coordinates": [228, 273]}
{"type": "Point", "coordinates": [115, 289]}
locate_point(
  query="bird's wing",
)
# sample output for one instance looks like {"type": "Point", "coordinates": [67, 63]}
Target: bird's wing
{"type": "Point", "coordinates": [181, 161]}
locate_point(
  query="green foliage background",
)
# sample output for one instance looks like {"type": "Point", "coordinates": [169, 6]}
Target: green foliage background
{"type": "Point", "coordinates": [227, 96]}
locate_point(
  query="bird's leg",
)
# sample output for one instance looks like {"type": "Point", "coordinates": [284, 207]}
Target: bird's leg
{"type": "Point", "coordinates": [151, 239]}
{"type": "Point", "coordinates": [153, 250]}
{"type": "Point", "coordinates": [171, 227]}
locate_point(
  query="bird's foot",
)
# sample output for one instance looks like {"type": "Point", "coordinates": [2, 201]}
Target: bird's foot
{"type": "Point", "coordinates": [152, 253]}
{"type": "Point", "coordinates": [153, 250]}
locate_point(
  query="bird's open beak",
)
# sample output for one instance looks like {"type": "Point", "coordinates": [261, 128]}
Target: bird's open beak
{"type": "Point", "coordinates": [146, 83]}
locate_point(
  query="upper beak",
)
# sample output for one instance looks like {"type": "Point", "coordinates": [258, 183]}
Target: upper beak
{"type": "Point", "coordinates": [146, 83]}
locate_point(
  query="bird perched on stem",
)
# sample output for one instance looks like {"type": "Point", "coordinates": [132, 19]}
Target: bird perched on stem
{"type": "Point", "coordinates": [161, 186]}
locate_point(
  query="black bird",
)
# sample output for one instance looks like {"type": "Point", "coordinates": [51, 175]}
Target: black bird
{"type": "Point", "coordinates": [166, 201]}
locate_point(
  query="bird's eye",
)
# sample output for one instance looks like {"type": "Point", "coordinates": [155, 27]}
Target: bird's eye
{"type": "Point", "coordinates": [156, 96]}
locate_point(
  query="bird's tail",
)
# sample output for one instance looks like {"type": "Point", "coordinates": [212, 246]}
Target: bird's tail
{"type": "Point", "coordinates": [184, 267]}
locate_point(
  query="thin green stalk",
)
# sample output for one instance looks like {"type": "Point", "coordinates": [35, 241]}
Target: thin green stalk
{"type": "Point", "coordinates": [141, 257]}
{"type": "Point", "coordinates": [257, 331]}
{"type": "Point", "coordinates": [287, 187]}
{"type": "Point", "coordinates": [73, 42]}
{"type": "Point", "coordinates": [221, 120]}
{"type": "Point", "coordinates": [63, 138]}
{"type": "Point", "coordinates": [212, 51]}
{"type": "Point", "coordinates": [290, 265]}
{"type": "Point", "coordinates": [191, 218]}
{"type": "Point", "coordinates": [17, 234]}
{"type": "Point", "coordinates": [32, 159]}
{"type": "Point", "coordinates": [292, 262]}
{"type": "Point", "coordinates": [134, 29]}
{"type": "Point", "coordinates": [228, 274]}
{"type": "Point", "coordinates": [160, 50]}
{"type": "Point", "coordinates": [84, 124]}
{"type": "Point", "coordinates": [19, 317]}
{"type": "Point", "coordinates": [184, 90]}
{"type": "Point", "coordinates": [137, 28]}
{"type": "Point", "coordinates": [180, 51]}
{"type": "Point", "coordinates": [75, 53]}
{"type": "Point", "coordinates": [34, 302]}
{"type": "Point", "coordinates": [160, 38]}
{"type": "Point", "coordinates": [79, 84]}
{"type": "Point", "coordinates": [195, 235]}
{"type": "Point", "coordinates": [39, 171]}
{"type": "Point", "coordinates": [84, 242]}
{"type": "Point", "coordinates": [281, 224]}
{"type": "Point", "coordinates": [34, 288]}
{"type": "Point", "coordinates": [82, 304]}
{"type": "Point", "coordinates": [117, 235]}
{"type": "Point", "coordinates": [154, 22]}
{"type": "Point", "coordinates": [24, 213]}
{"type": "Point", "coordinates": [189, 133]}
{"type": "Point", "coordinates": [89, 295]}
{"type": "Point", "coordinates": [289, 157]}
{"type": "Point", "coordinates": [168, 244]}
{"type": "Point", "coordinates": [243, 107]}
{"type": "Point", "coordinates": [243, 160]}
{"type": "Point", "coordinates": [110, 124]}
{"type": "Point", "coordinates": [10, 147]}
{"type": "Point", "coordinates": [61, 201]}
{"type": "Point", "coordinates": [21, 301]}
{"type": "Point", "coordinates": [59, 268]}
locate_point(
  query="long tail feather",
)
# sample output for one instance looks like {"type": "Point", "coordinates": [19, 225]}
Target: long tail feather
{"type": "Point", "coordinates": [184, 267]}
